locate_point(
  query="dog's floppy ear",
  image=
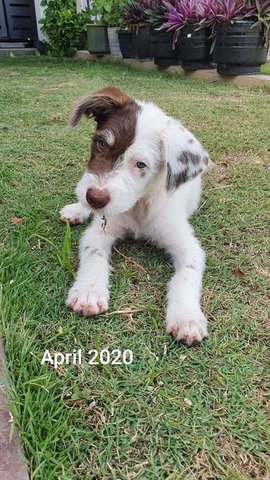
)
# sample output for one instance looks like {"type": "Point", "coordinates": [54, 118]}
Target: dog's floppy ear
{"type": "Point", "coordinates": [184, 155]}
{"type": "Point", "coordinates": [99, 104]}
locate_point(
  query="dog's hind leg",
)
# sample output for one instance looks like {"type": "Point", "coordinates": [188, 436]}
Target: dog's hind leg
{"type": "Point", "coordinates": [75, 213]}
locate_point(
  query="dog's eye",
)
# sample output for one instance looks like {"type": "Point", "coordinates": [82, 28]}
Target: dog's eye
{"type": "Point", "coordinates": [140, 165]}
{"type": "Point", "coordinates": [101, 144]}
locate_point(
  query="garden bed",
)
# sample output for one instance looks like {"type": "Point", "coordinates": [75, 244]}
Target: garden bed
{"type": "Point", "coordinates": [207, 75]}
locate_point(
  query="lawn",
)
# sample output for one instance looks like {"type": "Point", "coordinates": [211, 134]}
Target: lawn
{"type": "Point", "coordinates": [176, 412]}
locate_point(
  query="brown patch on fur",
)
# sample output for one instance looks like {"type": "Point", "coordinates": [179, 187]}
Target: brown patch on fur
{"type": "Point", "coordinates": [99, 104]}
{"type": "Point", "coordinates": [113, 111]}
{"type": "Point", "coordinates": [191, 140]}
{"type": "Point", "coordinates": [122, 123]}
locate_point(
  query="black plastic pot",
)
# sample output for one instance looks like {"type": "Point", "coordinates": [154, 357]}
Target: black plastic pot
{"type": "Point", "coordinates": [162, 48]}
{"type": "Point", "coordinates": [240, 48]}
{"type": "Point", "coordinates": [142, 43]}
{"type": "Point", "coordinates": [126, 44]}
{"type": "Point", "coordinates": [97, 39]}
{"type": "Point", "coordinates": [194, 48]}
{"type": "Point", "coordinates": [82, 42]}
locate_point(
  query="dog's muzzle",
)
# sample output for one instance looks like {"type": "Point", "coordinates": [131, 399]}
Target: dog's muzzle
{"type": "Point", "coordinates": [97, 198]}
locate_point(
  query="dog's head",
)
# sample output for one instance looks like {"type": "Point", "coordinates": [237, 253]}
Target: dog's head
{"type": "Point", "coordinates": [136, 149]}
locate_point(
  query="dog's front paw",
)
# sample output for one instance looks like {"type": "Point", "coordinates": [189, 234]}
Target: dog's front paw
{"type": "Point", "coordinates": [87, 300]}
{"type": "Point", "coordinates": [187, 326]}
{"type": "Point", "coordinates": [75, 213]}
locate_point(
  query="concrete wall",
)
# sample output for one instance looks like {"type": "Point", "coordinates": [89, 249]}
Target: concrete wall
{"type": "Point", "coordinates": [39, 15]}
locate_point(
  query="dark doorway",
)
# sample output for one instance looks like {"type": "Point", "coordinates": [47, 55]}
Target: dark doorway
{"type": "Point", "coordinates": [18, 21]}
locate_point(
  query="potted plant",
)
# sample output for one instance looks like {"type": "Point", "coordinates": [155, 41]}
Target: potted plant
{"type": "Point", "coordinates": [84, 17]}
{"type": "Point", "coordinates": [126, 43]}
{"type": "Point", "coordinates": [135, 16]}
{"type": "Point", "coordinates": [62, 26]}
{"type": "Point", "coordinates": [162, 44]}
{"type": "Point", "coordinates": [116, 22]}
{"type": "Point", "coordinates": [110, 12]}
{"type": "Point", "coordinates": [241, 35]}
{"type": "Point", "coordinates": [97, 33]}
{"type": "Point", "coordinates": [191, 39]}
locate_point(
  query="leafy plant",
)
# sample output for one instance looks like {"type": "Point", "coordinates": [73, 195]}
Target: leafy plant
{"type": "Point", "coordinates": [229, 11]}
{"type": "Point", "coordinates": [179, 13]}
{"type": "Point", "coordinates": [109, 12]}
{"type": "Point", "coordinates": [63, 26]}
{"type": "Point", "coordinates": [225, 11]}
{"type": "Point", "coordinates": [155, 13]}
{"type": "Point", "coordinates": [137, 11]}
{"type": "Point", "coordinates": [262, 12]}
{"type": "Point", "coordinates": [175, 14]}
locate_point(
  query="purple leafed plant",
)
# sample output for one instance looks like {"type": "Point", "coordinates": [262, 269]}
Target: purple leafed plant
{"type": "Point", "coordinates": [181, 12]}
{"type": "Point", "coordinates": [155, 14]}
{"type": "Point", "coordinates": [262, 12]}
{"type": "Point", "coordinates": [262, 9]}
{"type": "Point", "coordinates": [135, 13]}
{"type": "Point", "coordinates": [173, 15]}
{"type": "Point", "coordinates": [229, 11]}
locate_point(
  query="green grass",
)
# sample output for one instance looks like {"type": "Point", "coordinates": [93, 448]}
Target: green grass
{"type": "Point", "coordinates": [176, 412]}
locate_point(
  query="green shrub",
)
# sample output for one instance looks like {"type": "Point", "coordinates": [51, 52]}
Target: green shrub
{"type": "Point", "coordinates": [110, 12]}
{"type": "Point", "coordinates": [63, 26]}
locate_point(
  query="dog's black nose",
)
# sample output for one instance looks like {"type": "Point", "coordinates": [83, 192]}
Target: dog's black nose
{"type": "Point", "coordinates": [97, 198]}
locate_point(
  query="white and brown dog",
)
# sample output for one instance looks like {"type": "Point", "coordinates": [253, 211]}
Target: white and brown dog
{"type": "Point", "coordinates": [143, 178]}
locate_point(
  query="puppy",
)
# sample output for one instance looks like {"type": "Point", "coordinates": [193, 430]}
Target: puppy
{"type": "Point", "coordinates": [144, 178]}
